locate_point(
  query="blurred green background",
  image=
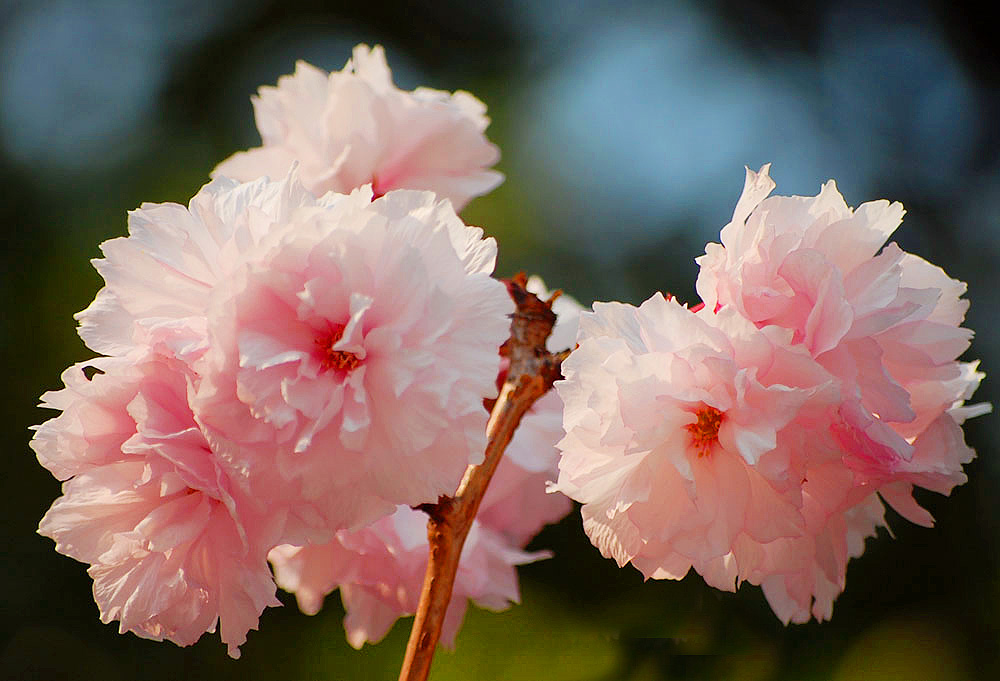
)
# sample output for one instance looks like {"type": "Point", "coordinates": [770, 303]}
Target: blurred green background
{"type": "Point", "coordinates": [625, 128]}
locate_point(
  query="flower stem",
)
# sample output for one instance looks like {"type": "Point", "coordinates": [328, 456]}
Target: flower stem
{"type": "Point", "coordinates": [531, 373]}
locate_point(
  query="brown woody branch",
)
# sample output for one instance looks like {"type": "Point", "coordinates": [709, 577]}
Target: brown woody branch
{"type": "Point", "coordinates": [531, 373]}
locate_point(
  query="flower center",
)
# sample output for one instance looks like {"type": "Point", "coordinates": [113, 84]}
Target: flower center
{"type": "Point", "coordinates": [335, 359]}
{"type": "Point", "coordinates": [705, 431]}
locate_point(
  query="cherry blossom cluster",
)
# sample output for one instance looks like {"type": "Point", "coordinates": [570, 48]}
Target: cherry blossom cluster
{"type": "Point", "coordinates": [296, 362]}
{"type": "Point", "coordinates": [379, 569]}
{"type": "Point", "coordinates": [757, 436]}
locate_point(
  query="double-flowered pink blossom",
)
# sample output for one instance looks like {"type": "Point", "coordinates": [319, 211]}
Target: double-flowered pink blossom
{"type": "Point", "coordinates": [678, 431]}
{"type": "Point", "coordinates": [342, 345]}
{"type": "Point", "coordinates": [281, 367]}
{"type": "Point", "coordinates": [357, 343]}
{"type": "Point", "coordinates": [354, 127]}
{"type": "Point", "coordinates": [886, 323]}
{"type": "Point", "coordinates": [839, 356]}
{"type": "Point", "coordinates": [173, 546]}
{"type": "Point", "coordinates": [379, 569]}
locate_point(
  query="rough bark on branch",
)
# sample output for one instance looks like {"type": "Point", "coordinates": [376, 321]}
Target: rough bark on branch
{"type": "Point", "coordinates": [531, 372]}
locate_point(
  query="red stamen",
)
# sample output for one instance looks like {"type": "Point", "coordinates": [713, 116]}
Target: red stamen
{"type": "Point", "coordinates": [336, 359]}
{"type": "Point", "coordinates": [705, 431]}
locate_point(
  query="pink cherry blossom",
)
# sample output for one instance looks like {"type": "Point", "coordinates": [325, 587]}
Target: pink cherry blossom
{"type": "Point", "coordinates": [159, 280]}
{"type": "Point", "coordinates": [350, 355]}
{"type": "Point", "coordinates": [380, 570]}
{"type": "Point", "coordinates": [343, 346]}
{"type": "Point", "coordinates": [883, 326]}
{"type": "Point", "coordinates": [802, 576]}
{"type": "Point", "coordinates": [94, 423]}
{"type": "Point", "coordinates": [355, 127]}
{"type": "Point", "coordinates": [679, 432]}
{"type": "Point", "coordinates": [173, 548]}
{"type": "Point", "coordinates": [885, 323]}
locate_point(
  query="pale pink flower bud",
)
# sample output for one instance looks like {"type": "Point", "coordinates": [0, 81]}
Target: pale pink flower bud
{"type": "Point", "coordinates": [354, 127]}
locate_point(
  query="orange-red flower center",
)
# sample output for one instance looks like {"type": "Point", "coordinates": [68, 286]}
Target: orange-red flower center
{"type": "Point", "coordinates": [336, 359]}
{"type": "Point", "coordinates": [705, 431]}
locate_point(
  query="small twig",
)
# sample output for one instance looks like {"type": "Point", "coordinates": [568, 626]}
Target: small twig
{"type": "Point", "coordinates": [531, 373]}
